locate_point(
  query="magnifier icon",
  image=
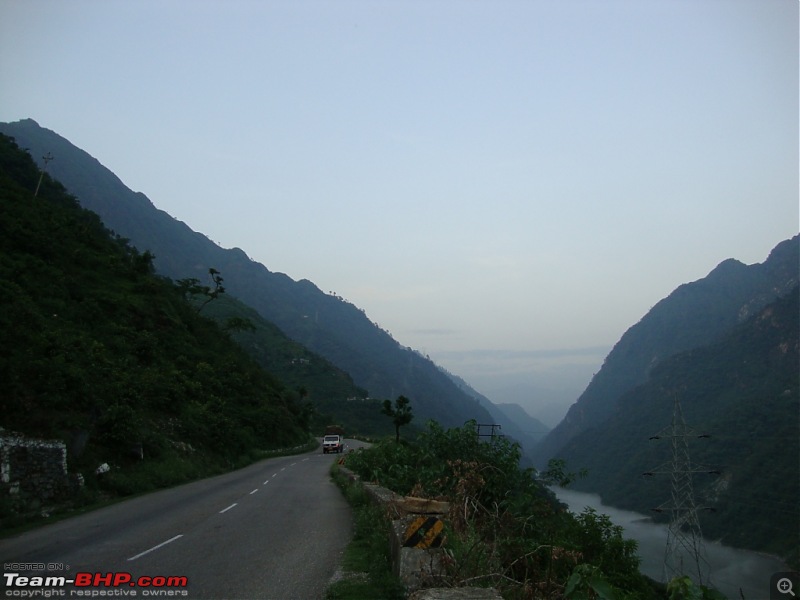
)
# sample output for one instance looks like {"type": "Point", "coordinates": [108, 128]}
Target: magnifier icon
{"type": "Point", "coordinates": [784, 586]}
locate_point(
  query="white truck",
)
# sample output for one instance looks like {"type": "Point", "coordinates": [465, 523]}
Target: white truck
{"type": "Point", "coordinates": [333, 440]}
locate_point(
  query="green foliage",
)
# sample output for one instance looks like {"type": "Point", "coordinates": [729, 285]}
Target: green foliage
{"type": "Point", "coordinates": [238, 324]}
{"type": "Point", "coordinates": [101, 353]}
{"type": "Point", "coordinates": [323, 393]}
{"type": "Point", "coordinates": [603, 545]}
{"type": "Point", "coordinates": [683, 588]}
{"type": "Point", "coordinates": [366, 562]}
{"type": "Point", "coordinates": [505, 528]}
{"type": "Point", "coordinates": [401, 413]}
{"type": "Point", "coordinates": [191, 289]}
{"type": "Point", "coordinates": [556, 473]}
{"type": "Point", "coordinates": [587, 581]}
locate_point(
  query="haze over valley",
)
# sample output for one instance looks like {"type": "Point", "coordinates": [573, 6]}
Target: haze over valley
{"type": "Point", "coordinates": [504, 180]}
{"type": "Point", "coordinates": [740, 317]}
{"type": "Point", "coordinates": [577, 221]}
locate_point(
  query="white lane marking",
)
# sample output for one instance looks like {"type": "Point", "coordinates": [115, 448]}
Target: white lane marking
{"type": "Point", "coordinates": [266, 482]}
{"type": "Point", "coordinates": [227, 509]}
{"type": "Point", "coordinates": [156, 547]}
{"type": "Point", "coordinates": [293, 464]}
{"type": "Point", "coordinates": [274, 474]}
{"type": "Point", "coordinates": [283, 469]}
{"type": "Point", "coordinates": [304, 460]}
{"type": "Point", "coordinates": [254, 491]}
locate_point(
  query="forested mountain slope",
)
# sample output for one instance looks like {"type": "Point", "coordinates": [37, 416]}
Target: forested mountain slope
{"type": "Point", "coordinates": [324, 323]}
{"type": "Point", "coordinates": [741, 391]}
{"type": "Point", "coordinates": [694, 315]}
{"type": "Point", "coordinates": [99, 352]}
{"type": "Point", "coordinates": [328, 392]}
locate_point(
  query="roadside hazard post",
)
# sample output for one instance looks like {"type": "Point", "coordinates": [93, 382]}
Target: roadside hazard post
{"type": "Point", "coordinates": [424, 532]}
{"type": "Point", "coordinates": [417, 540]}
{"type": "Point", "coordinates": [418, 536]}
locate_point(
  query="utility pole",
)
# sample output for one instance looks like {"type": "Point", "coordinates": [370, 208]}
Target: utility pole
{"type": "Point", "coordinates": [493, 426]}
{"type": "Point", "coordinates": [46, 158]}
{"type": "Point", "coordinates": [684, 537]}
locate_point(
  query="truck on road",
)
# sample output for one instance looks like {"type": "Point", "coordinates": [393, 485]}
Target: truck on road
{"type": "Point", "coordinates": [333, 440]}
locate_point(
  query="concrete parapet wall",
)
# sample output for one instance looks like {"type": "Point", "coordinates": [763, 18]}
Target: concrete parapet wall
{"type": "Point", "coordinates": [462, 593]}
{"type": "Point", "coordinates": [419, 569]}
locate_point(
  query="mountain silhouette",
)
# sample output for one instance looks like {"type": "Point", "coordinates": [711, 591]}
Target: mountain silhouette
{"type": "Point", "coordinates": [693, 315]}
{"type": "Point", "coordinates": [326, 324]}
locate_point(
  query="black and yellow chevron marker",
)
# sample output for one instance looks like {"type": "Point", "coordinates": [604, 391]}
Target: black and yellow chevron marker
{"type": "Point", "coordinates": [424, 532]}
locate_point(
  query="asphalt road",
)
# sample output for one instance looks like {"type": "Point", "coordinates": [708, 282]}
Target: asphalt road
{"type": "Point", "coordinates": [274, 530]}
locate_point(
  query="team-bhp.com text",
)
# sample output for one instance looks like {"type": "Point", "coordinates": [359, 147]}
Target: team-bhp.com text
{"type": "Point", "coordinates": [94, 585]}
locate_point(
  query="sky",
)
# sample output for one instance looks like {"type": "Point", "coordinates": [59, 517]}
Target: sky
{"type": "Point", "coordinates": [506, 186]}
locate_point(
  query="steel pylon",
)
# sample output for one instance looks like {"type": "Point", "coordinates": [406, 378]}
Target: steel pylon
{"type": "Point", "coordinates": [684, 553]}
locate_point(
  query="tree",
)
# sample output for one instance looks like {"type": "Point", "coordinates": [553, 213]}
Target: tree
{"type": "Point", "coordinates": [233, 324]}
{"type": "Point", "coordinates": [557, 474]}
{"type": "Point", "coordinates": [401, 413]}
{"type": "Point", "coordinates": [191, 287]}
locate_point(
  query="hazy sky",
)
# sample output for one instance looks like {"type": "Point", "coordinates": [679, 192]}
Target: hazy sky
{"type": "Point", "coordinates": [502, 185]}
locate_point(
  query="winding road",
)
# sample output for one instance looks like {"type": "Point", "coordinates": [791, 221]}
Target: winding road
{"type": "Point", "coordinates": [274, 530]}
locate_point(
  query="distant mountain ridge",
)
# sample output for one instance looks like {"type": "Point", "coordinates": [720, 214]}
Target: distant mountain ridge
{"type": "Point", "coordinates": [694, 315]}
{"type": "Point", "coordinates": [326, 324]}
{"type": "Point", "coordinates": [741, 394]}
{"type": "Point", "coordinates": [513, 420]}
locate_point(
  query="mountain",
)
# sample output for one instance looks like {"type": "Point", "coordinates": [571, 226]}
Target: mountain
{"type": "Point", "coordinates": [514, 422]}
{"type": "Point", "coordinates": [741, 394]}
{"type": "Point", "coordinates": [326, 324]}
{"type": "Point", "coordinates": [517, 415]}
{"type": "Point", "coordinates": [101, 353]}
{"type": "Point", "coordinates": [546, 401]}
{"type": "Point", "coordinates": [694, 315]}
{"type": "Point", "coordinates": [328, 391]}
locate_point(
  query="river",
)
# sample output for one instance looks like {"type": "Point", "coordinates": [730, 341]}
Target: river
{"type": "Point", "coordinates": [731, 569]}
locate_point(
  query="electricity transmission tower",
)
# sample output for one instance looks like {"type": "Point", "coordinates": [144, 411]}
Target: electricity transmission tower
{"type": "Point", "coordinates": [684, 537]}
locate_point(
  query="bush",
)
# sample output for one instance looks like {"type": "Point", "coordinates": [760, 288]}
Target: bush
{"type": "Point", "coordinates": [505, 528]}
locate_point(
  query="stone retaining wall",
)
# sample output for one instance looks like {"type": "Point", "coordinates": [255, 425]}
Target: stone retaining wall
{"type": "Point", "coordinates": [33, 468]}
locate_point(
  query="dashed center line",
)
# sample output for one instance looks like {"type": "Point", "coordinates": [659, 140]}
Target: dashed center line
{"type": "Point", "coordinates": [156, 547]}
{"type": "Point", "coordinates": [224, 510]}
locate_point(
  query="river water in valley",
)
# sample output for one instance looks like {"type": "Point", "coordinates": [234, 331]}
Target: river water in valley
{"type": "Point", "coordinates": [731, 569]}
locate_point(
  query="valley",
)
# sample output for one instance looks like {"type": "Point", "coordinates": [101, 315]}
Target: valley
{"type": "Point", "coordinates": [726, 344]}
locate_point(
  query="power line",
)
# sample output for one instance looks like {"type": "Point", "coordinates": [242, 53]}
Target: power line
{"type": "Point", "coordinates": [493, 426]}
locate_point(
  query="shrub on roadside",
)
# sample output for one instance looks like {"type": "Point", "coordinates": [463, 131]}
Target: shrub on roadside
{"type": "Point", "coordinates": [505, 528]}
